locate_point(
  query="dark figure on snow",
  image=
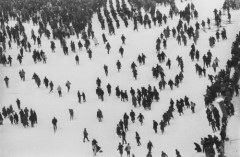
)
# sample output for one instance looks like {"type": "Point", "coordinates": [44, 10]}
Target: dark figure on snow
{"type": "Point", "coordinates": [68, 85]}
{"type": "Point", "coordinates": [149, 146]}
{"type": "Point", "coordinates": [140, 118]}
{"type": "Point", "coordinates": [120, 149]}
{"type": "Point", "coordinates": [109, 89]}
{"type": "Point", "coordinates": [85, 135]}
{"type": "Point", "coordinates": [77, 59]}
{"type": "Point", "coordinates": [123, 39]}
{"type": "Point", "coordinates": [178, 153]}
{"type": "Point", "coordinates": [105, 67]}
{"type": "Point", "coordinates": [18, 103]}
{"type": "Point", "coordinates": [59, 89]}
{"type": "Point", "coordinates": [6, 79]}
{"type": "Point", "coordinates": [99, 115]}
{"type": "Point", "coordinates": [51, 86]}
{"type": "Point", "coordinates": [197, 147]}
{"type": "Point", "coordinates": [54, 122]}
{"type": "Point", "coordinates": [71, 113]}
{"type": "Point", "coordinates": [119, 66]}
{"type": "Point", "coordinates": [121, 50]}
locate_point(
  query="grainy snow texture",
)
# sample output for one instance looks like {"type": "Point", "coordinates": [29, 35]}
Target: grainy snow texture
{"type": "Point", "coordinates": [40, 141]}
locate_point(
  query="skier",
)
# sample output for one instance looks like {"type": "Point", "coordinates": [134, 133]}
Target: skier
{"type": "Point", "coordinates": [54, 122]}
{"type": "Point", "coordinates": [85, 135]}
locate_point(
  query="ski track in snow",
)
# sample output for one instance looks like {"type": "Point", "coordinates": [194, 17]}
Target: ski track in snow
{"type": "Point", "coordinates": [40, 141]}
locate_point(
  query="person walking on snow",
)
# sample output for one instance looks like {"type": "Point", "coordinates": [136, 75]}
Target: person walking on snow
{"type": "Point", "coordinates": [54, 122]}
{"type": "Point", "coordinates": [68, 85]}
{"type": "Point", "coordinates": [120, 149]}
{"type": "Point", "coordinates": [123, 39]}
{"type": "Point", "coordinates": [59, 89]}
{"type": "Point", "coordinates": [6, 79]}
{"type": "Point", "coordinates": [85, 135]}
{"type": "Point", "coordinates": [128, 149]}
{"type": "Point", "coordinates": [149, 146]}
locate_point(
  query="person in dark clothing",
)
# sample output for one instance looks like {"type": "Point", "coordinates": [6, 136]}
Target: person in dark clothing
{"type": "Point", "coordinates": [138, 139]}
{"type": "Point", "coordinates": [77, 59]}
{"type": "Point", "coordinates": [132, 115]}
{"type": "Point", "coordinates": [84, 97]}
{"type": "Point", "coordinates": [155, 124]}
{"type": "Point", "coordinates": [18, 103]}
{"type": "Point", "coordinates": [51, 86]}
{"type": "Point", "coordinates": [120, 149]}
{"type": "Point", "coordinates": [79, 97]}
{"type": "Point", "coordinates": [109, 89]}
{"type": "Point", "coordinates": [140, 117]}
{"type": "Point", "coordinates": [99, 115]}
{"type": "Point", "coordinates": [123, 133]}
{"type": "Point", "coordinates": [105, 67]}
{"type": "Point", "coordinates": [123, 39]}
{"type": "Point", "coordinates": [178, 153]}
{"type": "Point", "coordinates": [197, 147]}
{"type": "Point", "coordinates": [85, 135]}
{"type": "Point", "coordinates": [118, 65]}
{"type": "Point", "coordinates": [149, 146]}
{"type": "Point", "coordinates": [54, 122]}
{"type": "Point", "coordinates": [6, 79]}
{"type": "Point", "coordinates": [71, 113]}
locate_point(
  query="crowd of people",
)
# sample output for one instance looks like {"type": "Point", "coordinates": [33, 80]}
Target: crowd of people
{"type": "Point", "coordinates": [70, 18]}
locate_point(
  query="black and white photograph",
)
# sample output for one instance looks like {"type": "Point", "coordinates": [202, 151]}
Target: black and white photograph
{"type": "Point", "coordinates": [119, 78]}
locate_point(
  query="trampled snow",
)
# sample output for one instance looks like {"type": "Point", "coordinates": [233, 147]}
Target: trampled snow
{"type": "Point", "coordinates": [40, 141]}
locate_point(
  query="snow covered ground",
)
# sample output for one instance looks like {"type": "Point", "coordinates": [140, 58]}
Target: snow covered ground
{"type": "Point", "coordinates": [40, 141]}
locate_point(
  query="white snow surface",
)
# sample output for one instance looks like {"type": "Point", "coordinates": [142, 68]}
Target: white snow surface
{"type": "Point", "coordinates": [40, 141]}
